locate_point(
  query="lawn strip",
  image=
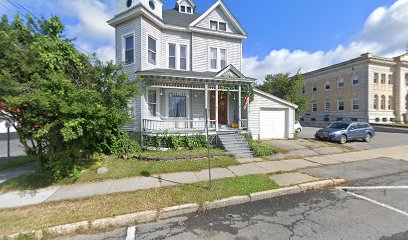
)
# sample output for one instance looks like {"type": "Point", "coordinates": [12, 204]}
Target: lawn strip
{"type": "Point", "coordinates": [70, 211]}
{"type": "Point", "coordinates": [16, 162]}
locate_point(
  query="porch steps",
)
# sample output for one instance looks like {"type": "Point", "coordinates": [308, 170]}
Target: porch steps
{"type": "Point", "coordinates": [235, 144]}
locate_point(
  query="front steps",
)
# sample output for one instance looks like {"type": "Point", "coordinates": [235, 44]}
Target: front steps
{"type": "Point", "coordinates": [235, 143]}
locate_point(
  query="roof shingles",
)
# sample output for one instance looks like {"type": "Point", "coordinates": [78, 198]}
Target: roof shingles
{"type": "Point", "coordinates": [174, 17]}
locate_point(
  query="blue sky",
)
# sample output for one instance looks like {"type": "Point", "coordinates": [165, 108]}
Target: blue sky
{"type": "Point", "coordinates": [284, 35]}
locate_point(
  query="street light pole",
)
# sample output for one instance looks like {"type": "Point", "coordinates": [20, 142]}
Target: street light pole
{"type": "Point", "coordinates": [8, 126]}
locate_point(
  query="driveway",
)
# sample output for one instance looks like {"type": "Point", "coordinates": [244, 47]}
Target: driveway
{"type": "Point", "coordinates": [328, 214]}
{"type": "Point", "coordinates": [381, 140]}
{"type": "Point", "coordinates": [16, 149]}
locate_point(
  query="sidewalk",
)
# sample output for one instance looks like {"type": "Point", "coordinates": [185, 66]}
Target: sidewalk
{"type": "Point", "coordinates": [24, 198]}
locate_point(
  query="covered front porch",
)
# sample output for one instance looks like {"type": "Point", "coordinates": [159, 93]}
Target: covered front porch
{"type": "Point", "coordinates": [184, 104]}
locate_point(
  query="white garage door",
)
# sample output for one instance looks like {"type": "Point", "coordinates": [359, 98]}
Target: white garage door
{"type": "Point", "coordinates": [272, 124]}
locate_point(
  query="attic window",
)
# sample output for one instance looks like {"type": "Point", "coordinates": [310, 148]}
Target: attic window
{"type": "Point", "coordinates": [215, 25]}
{"type": "Point", "coordinates": [189, 9]}
{"type": "Point", "coordinates": [186, 9]}
{"type": "Point", "coordinates": [183, 9]}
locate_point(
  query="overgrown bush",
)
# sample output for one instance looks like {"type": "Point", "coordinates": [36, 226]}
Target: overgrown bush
{"type": "Point", "coordinates": [65, 164]}
{"type": "Point", "coordinates": [260, 149]}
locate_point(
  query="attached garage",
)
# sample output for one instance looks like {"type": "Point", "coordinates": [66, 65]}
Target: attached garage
{"type": "Point", "coordinates": [271, 117]}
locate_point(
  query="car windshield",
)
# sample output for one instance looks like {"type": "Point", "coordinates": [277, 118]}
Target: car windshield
{"type": "Point", "coordinates": [340, 126]}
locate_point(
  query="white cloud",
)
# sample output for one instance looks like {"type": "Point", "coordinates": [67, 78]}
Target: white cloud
{"type": "Point", "coordinates": [385, 33]}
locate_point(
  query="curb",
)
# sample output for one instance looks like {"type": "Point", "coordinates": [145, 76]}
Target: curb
{"type": "Point", "coordinates": [157, 215]}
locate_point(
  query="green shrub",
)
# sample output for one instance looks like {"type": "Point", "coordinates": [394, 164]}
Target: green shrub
{"type": "Point", "coordinates": [176, 141]}
{"type": "Point", "coordinates": [263, 150]}
{"type": "Point", "coordinates": [57, 166]}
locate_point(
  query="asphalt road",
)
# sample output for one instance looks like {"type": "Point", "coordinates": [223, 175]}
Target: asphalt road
{"type": "Point", "coordinates": [328, 214]}
{"type": "Point", "coordinates": [381, 140]}
{"type": "Point", "coordinates": [16, 149]}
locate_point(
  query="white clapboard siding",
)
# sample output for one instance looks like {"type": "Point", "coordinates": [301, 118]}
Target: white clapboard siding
{"type": "Point", "coordinates": [177, 38]}
{"type": "Point", "coordinates": [217, 15]}
{"type": "Point", "coordinates": [200, 51]}
{"type": "Point", "coordinates": [122, 30]}
{"type": "Point", "coordinates": [263, 102]}
{"type": "Point", "coordinates": [150, 29]}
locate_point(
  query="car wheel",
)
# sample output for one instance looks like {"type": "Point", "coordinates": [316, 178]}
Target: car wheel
{"type": "Point", "coordinates": [368, 137]}
{"type": "Point", "coordinates": [343, 139]}
{"type": "Point", "coordinates": [298, 130]}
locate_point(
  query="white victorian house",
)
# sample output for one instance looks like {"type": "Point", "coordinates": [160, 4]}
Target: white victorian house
{"type": "Point", "coordinates": [191, 62]}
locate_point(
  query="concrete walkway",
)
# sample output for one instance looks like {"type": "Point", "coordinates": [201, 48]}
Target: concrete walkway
{"type": "Point", "coordinates": [54, 193]}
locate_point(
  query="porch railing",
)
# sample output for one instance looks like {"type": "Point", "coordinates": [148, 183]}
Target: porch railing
{"type": "Point", "coordinates": [175, 125]}
{"type": "Point", "coordinates": [244, 124]}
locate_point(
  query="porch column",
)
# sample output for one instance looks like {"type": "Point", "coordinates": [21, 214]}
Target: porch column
{"type": "Point", "coordinates": [206, 104]}
{"type": "Point", "coordinates": [216, 108]}
{"type": "Point", "coordinates": [248, 111]}
{"type": "Point", "coordinates": [239, 107]}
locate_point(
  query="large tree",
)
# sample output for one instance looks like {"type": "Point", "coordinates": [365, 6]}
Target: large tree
{"type": "Point", "coordinates": [67, 105]}
{"type": "Point", "coordinates": [287, 88]}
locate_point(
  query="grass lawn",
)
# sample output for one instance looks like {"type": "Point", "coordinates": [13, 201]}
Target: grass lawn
{"type": "Point", "coordinates": [70, 211]}
{"type": "Point", "coordinates": [16, 162]}
{"type": "Point", "coordinates": [121, 168]}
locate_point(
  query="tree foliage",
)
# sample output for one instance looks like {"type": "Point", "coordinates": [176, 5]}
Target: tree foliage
{"type": "Point", "coordinates": [287, 88]}
{"type": "Point", "coordinates": [62, 100]}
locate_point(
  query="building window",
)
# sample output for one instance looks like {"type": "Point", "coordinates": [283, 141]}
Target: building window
{"type": "Point", "coordinates": [356, 80]}
{"type": "Point", "coordinates": [382, 102]}
{"type": "Point", "coordinates": [375, 106]}
{"type": "Point", "coordinates": [189, 9]}
{"type": "Point", "coordinates": [383, 78]}
{"type": "Point", "coordinates": [390, 79]}
{"type": "Point", "coordinates": [152, 50]}
{"type": "Point", "coordinates": [152, 102]}
{"type": "Point", "coordinates": [390, 102]}
{"type": "Point", "coordinates": [314, 86]}
{"type": "Point", "coordinates": [339, 119]}
{"type": "Point", "coordinates": [183, 57]}
{"type": "Point", "coordinates": [340, 83]}
{"type": "Point", "coordinates": [129, 50]}
{"type": "Point", "coordinates": [223, 53]}
{"type": "Point", "coordinates": [178, 105]}
{"type": "Point", "coordinates": [356, 104]}
{"type": "Point", "coordinates": [172, 56]}
{"type": "Point", "coordinates": [340, 105]}
{"type": "Point", "coordinates": [183, 9]}
{"type": "Point", "coordinates": [375, 77]}
{"type": "Point", "coordinates": [213, 58]}
{"type": "Point", "coordinates": [213, 25]}
{"type": "Point", "coordinates": [313, 119]}
{"type": "Point", "coordinates": [314, 106]}
{"type": "Point", "coordinates": [222, 26]}
{"type": "Point", "coordinates": [327, 85]}
{"type": "Point", "coordinates": [327, 105]}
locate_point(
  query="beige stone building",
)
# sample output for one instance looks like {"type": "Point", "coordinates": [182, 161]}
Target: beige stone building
{"type": "Point", "coordinates": [367, 88]}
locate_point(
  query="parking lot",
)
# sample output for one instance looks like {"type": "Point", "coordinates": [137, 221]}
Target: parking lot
{"type": "Point", "coordinates": [381, 140]}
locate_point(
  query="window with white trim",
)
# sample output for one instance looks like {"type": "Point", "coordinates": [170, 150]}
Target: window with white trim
{"type": "Point", "coordinates": [189, 10]}
{"type": "Point", "coordinates": [152, 102]}
{"type": "Point", "coordinates": [223, 53]}
{"type": "Point", "coordinates": [356, 104]}
{"type": "Point", "coordinates": [355, 80]}
{"type": "Point", "coordinates": [327, 105]}
{"type": "Point", "coordinates": [340, 104]}
{"type": "Point", "coordinates": [216, 25]}
{"type": "Point", "coordinates": [183, 57]}
{"type": "Point", "coordinates": [375, 77]}
{"type": "Point", "coordinates": [340, 83]}
{"type": "Point", "coordinates": [382, 102]}
{"type": "Point", "coordinates": [383, 78]}
{"type": "Point", "coordinates": [129, 49]}
{"type": "Point", "coordinates": [327, 85]}
{"type": "Point", "coordinates": [314, 106]}
{"type": "Point", "coordinates": [172, 56]}
{"type": "Point", "coordinates": [213, 58]}
{"type": "Point", "coordinates": [151, 50]}
{"type": "Point", "coordinates": [390, 103]}
{"type": "Point", "coordinates": [375, 105]}
{"type": "Point", "coordinates": [314, 86]}
{"type": "Point", "coordinates": [183, 9]}
{"type": "Point", "coordinates": [390, 77]}
{"type": "Point", "coordinates": [178, 105]}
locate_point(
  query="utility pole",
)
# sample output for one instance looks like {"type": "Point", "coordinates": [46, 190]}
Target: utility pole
{"type": "Point", "coordinates": [208, 148]}
{"type": "Point", "coordinates": [8, 126]}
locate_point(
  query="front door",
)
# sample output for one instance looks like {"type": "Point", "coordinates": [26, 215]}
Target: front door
{"type": "Point", "coordinates": [223, 108]}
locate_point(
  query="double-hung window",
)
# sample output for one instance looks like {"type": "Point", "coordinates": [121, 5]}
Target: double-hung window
{"type": "Point", "coordinates": [390, 79]}
{"type": "Point", "coordinates": [213, 25]}
{"type": "Point", "coordinates": [340, 104]}
{"type": "Point", "coordinates": [383, 78]}
{"type": "Point", "coordinates": [340, 83]}
{"type": "Point", "coordinates": [223, 53]}
{"type": "Point", "coordinates": [152, 50]}
{"type": "Point", "coordinates": [213, 58]}
{"type": "Point", "coordinates": [375, 77]}
{"type": "Point", "coordinates": [172, 56]}
{"type": "Point", "coordinates": [356, 104]}
{"type": "Point", "coordinates": [314, 106]}
{"type": "Point", "coordinates": [178, 105]}
{"type": "Point", "coordinates": [327, 85]}
{"type": "Point", "coordinates": [222, 26]}
{"type": "Point", "coordinates": [355, 80]}
{"type": "Point", "coordinates": [129, 50]}
{"type": "Point", "coordinates": [183, 57]}
{"type": "Point", "coordinates": [152, 102]}
{"type": "Point", "coordinates": [314, 86]}
{"type": "Point", "coordinates": [327, 105]}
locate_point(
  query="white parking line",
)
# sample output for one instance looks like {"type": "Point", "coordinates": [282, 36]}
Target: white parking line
{"type": "Point", "coordinates": [373, 188]}
{"type": "Point", "coordinates": [131, 233]}
{"type": "Point", "coordinates": [378, 203]}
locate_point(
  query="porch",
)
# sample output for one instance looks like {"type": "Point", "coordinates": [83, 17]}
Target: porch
{"type": "Point", "coordinates": [180, 105]}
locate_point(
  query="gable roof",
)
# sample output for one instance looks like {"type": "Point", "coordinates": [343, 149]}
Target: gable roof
{"type": "Point", "coordinates": [190, 1]}
{"type": "Point", "coordinates": [174, 17]}
{"type": "Point", "coordinates": [256, 90]}
{"type": "Point", "coordinates": [232, 69]}
{"type": "Point", "coordinates": [226, 11]}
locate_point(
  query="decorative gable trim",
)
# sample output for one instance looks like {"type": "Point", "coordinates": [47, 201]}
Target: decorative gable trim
{"type": "Point", "coordinates": [226, 11]}
{"type": "Point", "coordinates": [230, 72]}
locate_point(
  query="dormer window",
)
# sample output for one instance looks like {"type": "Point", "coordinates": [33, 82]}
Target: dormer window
{"type": "Point", "coordinates": [220, 26]}
{"type": "Point", "coordinates": [183, 9]}
{"type": "Point", "coordinates": [186, 9]}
